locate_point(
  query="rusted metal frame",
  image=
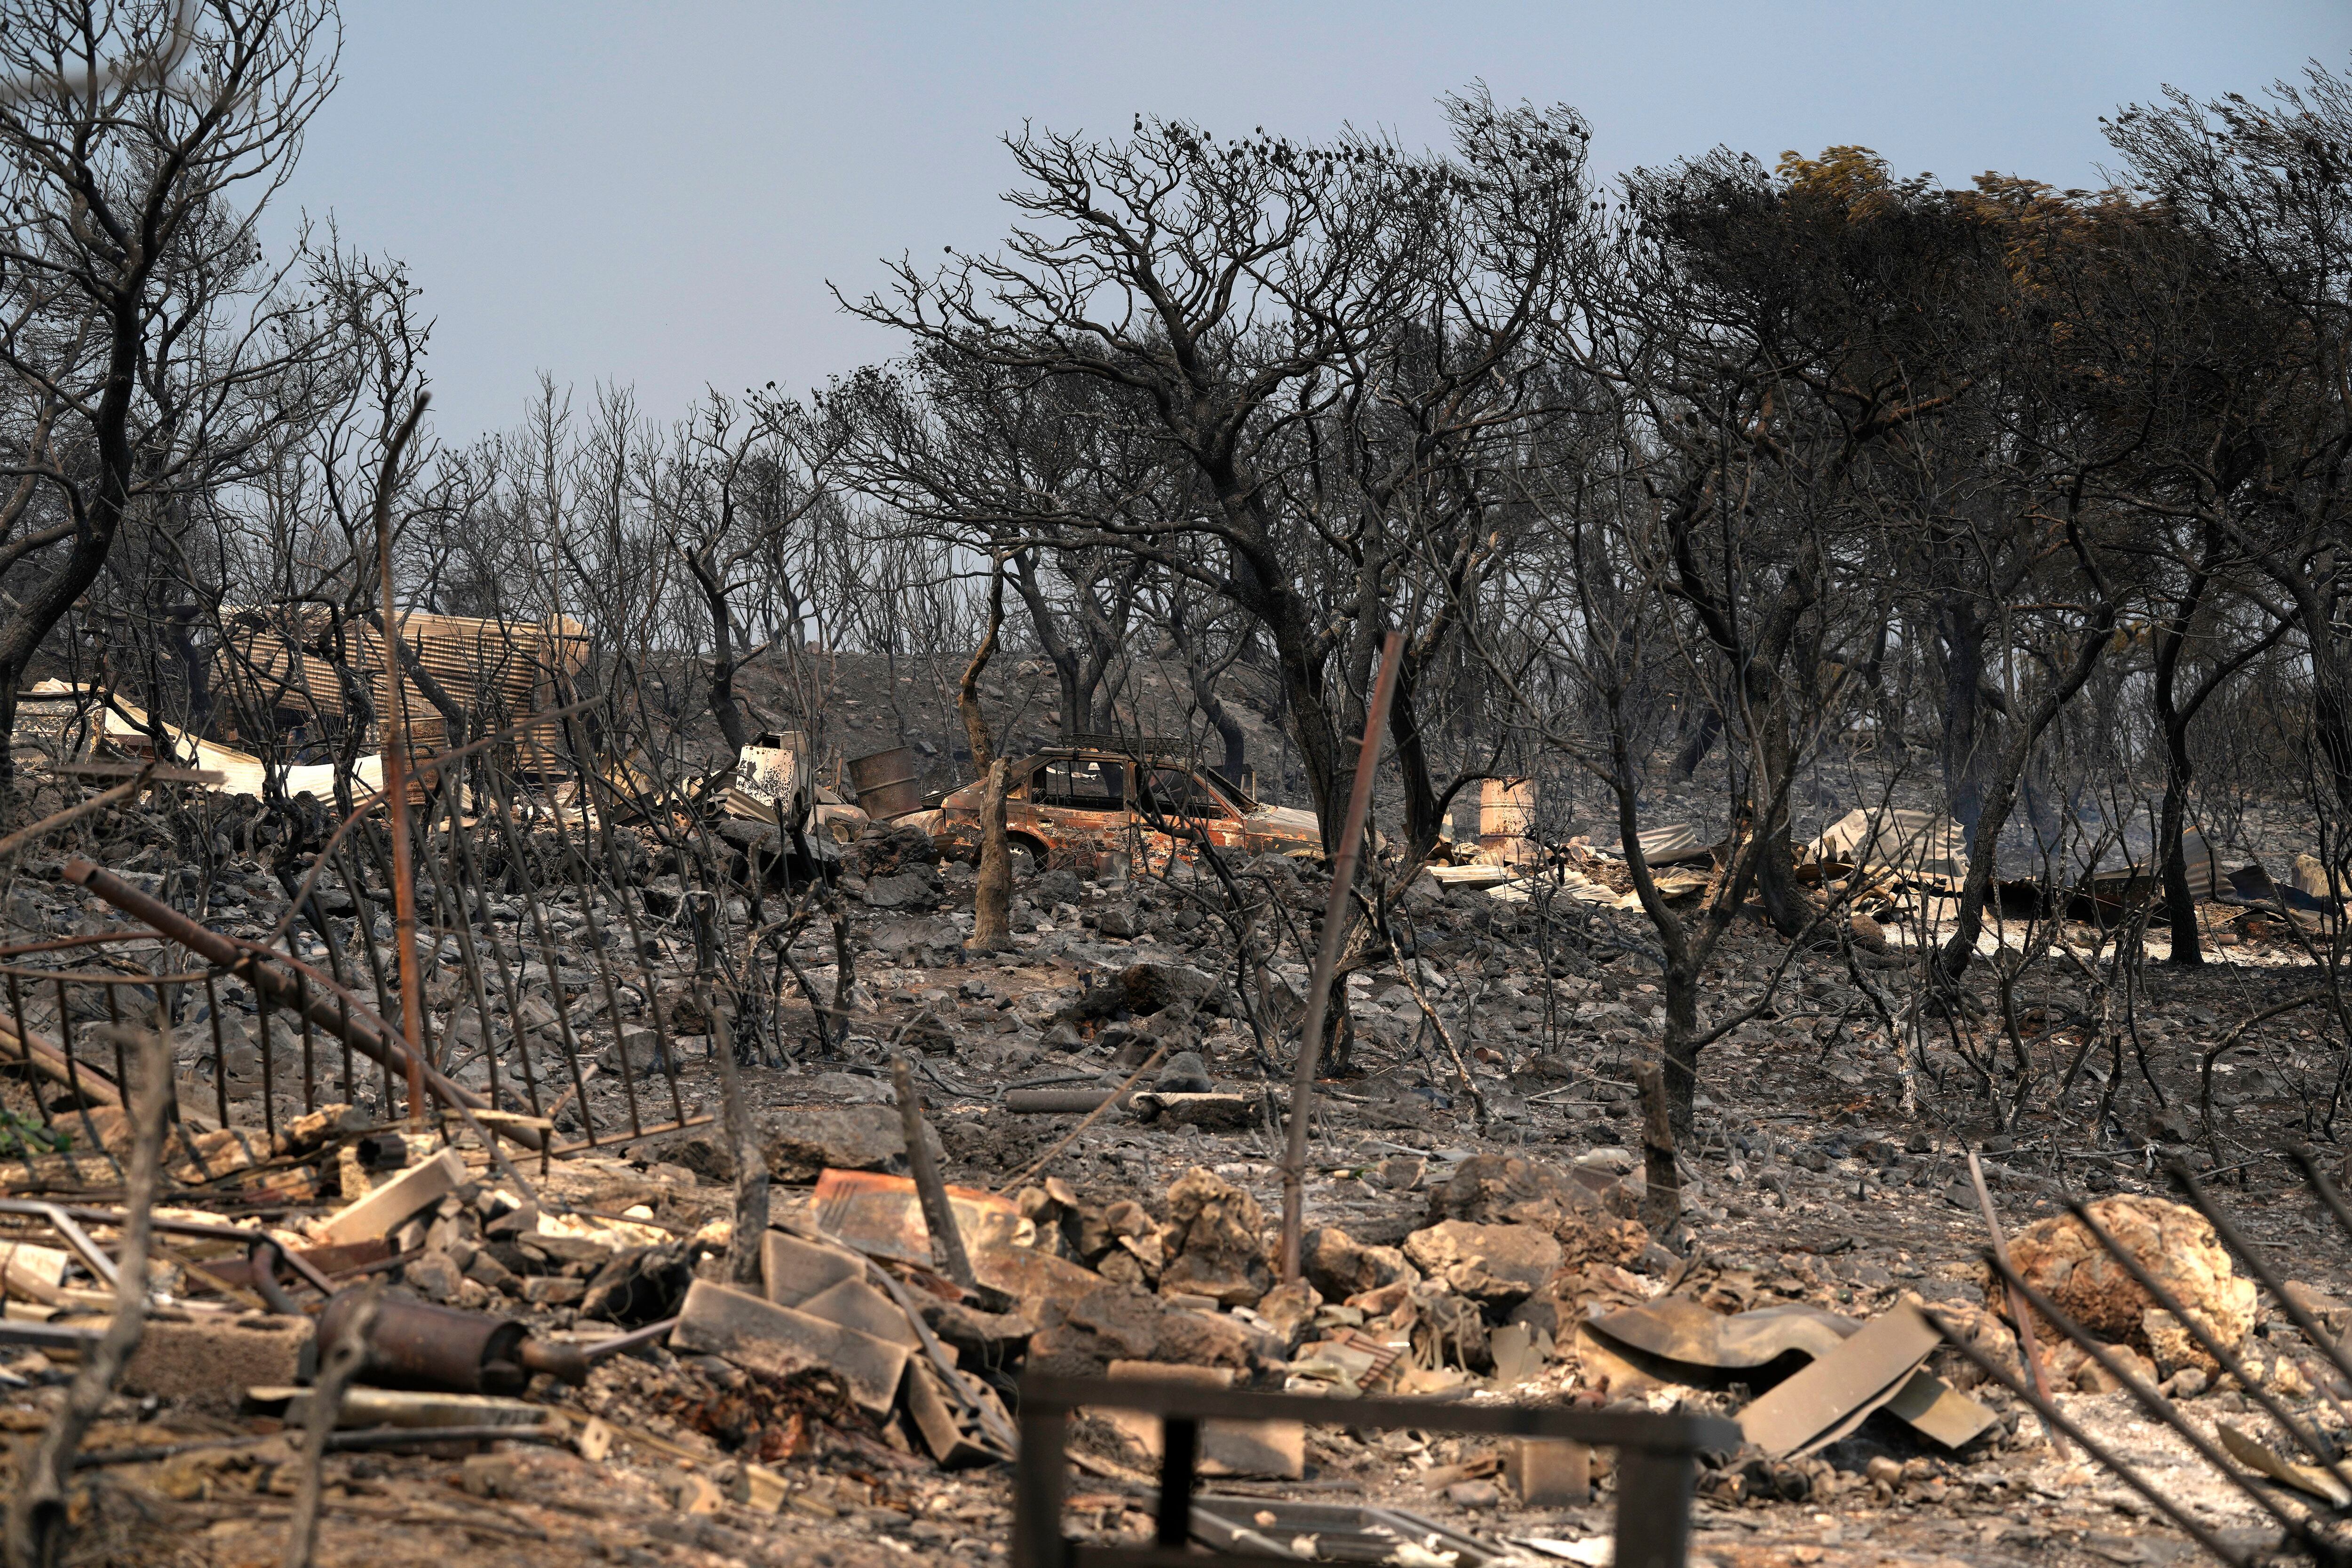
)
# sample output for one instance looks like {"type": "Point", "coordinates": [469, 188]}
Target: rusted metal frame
{"type": "Point", "coordinates": [1658, 1459]}
{"type": "Point", "coordinates": [269, 1063]}
{"type": "Point", "coordinates": [2259, 1266]}
{"type": "Point", "coordinates": [517, 858]}
{"type": "Point", "coordinates": [358, 884]}
{"type": "Point", "coordinates": [469, 961]}
{"type": "Point", "coordinates": [310, 1055]}
{"type": "Point", "coordinates": [24, 1043]}
{"type": "Point", "coordinates": [73, 1083]}
{"type": "Point", "coordinates": [469, 876]}
{"type": "Point", "coordinates": [114, 1017]}
{"type": "Point", "coordinates": [2027, 1341]}
{"type": "Point", "coordinates": [589, 778]}
{"type": "Point", "coordinates": [604, 968]}
{"type": "Point", "coordinates": [2048, 1410]}
{"type": "Point", "coordinates": [220, 1050]}
{"type": "Point", "coordinates": [2328, 1196]}
{"type": "Point", "coordinates": [2155, 1404]}
{"type": "Point", "coordinates": [261, 967]}
{"type": "Point", "coordinates": [1326, 956]}
{"type": "Point", "coordinates": [562, 1151]}
{"type": "Point", "coordinates": [441, 763]}
{"type": "Point", "coordinates": [396, 758]}
{"type": "Point", "coordinates": [320, 918]}
{"type": "Point", "coordinates": [61, 944]}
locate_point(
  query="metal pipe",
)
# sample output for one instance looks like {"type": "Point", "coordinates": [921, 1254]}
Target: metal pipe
{"type": "Point", "coordinates": [1326, 956]}
{"type": "Point", "coordinates": [2027, 1340]}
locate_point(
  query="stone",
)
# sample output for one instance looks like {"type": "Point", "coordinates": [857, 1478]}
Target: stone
{"type": "Point", "coordinates": [1504, 1189]}
{"type": "Point", "coordinates": [1337, 1265]}
{"type": "Point", "coordinates": [907, 890]}
{"type": "Point", "coordinates": [488, 1273]}
{"type": "Point", "coordinates": [1147, 988]}
{"type": "Point", "coordinates": [1058, 886]}
{"type": "Point", "coordinates": [643, 1050]}
{"type": "Point", "coordinates": [178, 1358]}
{"type": "Point", "coordinates": [1184, 1073]}
{"type": "Point", "coordinates": [2178, 1248]}
{"type": "Point", "coordinates": [1289, 1310]}
{"type": "Point", "coordinates": [1498, 1263]}
{"type": "Point", "coordinates": [435, 1276]}
{"type": "Point", "coordinates": [1125, 1323]}
{"type": "Point", "coordinates": [1192, 1338]}
{"type": "Point", "coordinates": [850, 1088]}
{"type": "Point", "coordinates": [382, 1211]}
{"type": "Point", "coordinates": [1473, 1494]}
{"type": "Point", "coordinates": [928, 1033]}
{"type": "Point", "coordinates": [1868, 935]}
{"type": "Point", "coordinates": [801, 1141]}
{"type": "Point", "coordinates": [1214, 1241]}
{"type": "Point", "coordinates": [894, 937]}
{"type": "Point", "coordinates": [321, 1127]}
{"type": "Point", "coordinates": [1119, 920]}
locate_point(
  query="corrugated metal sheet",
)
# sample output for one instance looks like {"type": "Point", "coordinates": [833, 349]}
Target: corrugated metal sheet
{"type": "Point", "coordinates": [285, 660]}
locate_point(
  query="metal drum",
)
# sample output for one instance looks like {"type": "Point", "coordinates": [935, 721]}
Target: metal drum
{"type": "Point", "coordinates": [889, 783]}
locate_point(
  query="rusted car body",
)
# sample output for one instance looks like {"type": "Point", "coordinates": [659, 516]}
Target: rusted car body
{"type": "Point", "coordinates": [1068, 803]}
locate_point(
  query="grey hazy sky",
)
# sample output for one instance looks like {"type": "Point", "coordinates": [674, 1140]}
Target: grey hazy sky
{"type": "Point", "coordinates": [658, 196]}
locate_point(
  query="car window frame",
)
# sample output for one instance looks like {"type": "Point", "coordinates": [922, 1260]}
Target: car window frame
{"type": "Point", "coordinates": [1125, 801]}
{"type": "Point", "coordinates": [1200, 784]}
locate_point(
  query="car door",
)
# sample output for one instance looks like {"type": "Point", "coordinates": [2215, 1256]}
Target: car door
{"type": "Point", "coordinates": [1080, 802]}
{"type": "Point", "coordinates": [1187, 808]}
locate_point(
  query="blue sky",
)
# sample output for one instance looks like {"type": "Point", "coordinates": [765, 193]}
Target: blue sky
{"type": "Point", "coordinates": [658, 196]}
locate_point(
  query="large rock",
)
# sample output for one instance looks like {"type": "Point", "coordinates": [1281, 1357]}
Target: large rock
{"type": "Point", "coordinates": [1144, 989]}
{"type": "Point", "coordinates": [802, 1140]}
{"type": "Point", "coordinates": [892, 938]}
{"type": "Point", "coordinates": [1504, 1189]}
{"type": "Point", "coordinates": [2178, 1248]}
{"type": "Point", "coordinates": [1213, 1241]}
{"type": "Point", "coordinates": [1340, 1266]}
{"type": "Point", "coordinates": [907, 890]}
{"type": "Point", "coordinates": [1125, 1324]}
{"type": "Point", "coordinates": [1486, 1262]}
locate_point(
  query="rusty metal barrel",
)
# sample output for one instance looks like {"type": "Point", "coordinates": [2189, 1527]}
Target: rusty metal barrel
{"type": "Point", "coordinates": [1507, 817]}
{"type": "Point", "coordinates": [889, 783]}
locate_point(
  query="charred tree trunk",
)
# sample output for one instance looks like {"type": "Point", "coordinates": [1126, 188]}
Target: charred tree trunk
{"type": "Point", "coordinates": [992, 904]}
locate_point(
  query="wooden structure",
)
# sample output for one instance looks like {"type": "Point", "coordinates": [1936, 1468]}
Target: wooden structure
{"type": "Point", "coordinates": [299, 665]}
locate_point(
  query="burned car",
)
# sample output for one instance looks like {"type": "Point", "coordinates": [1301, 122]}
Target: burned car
{"type": "Point", "coordinates": [1070, 802]}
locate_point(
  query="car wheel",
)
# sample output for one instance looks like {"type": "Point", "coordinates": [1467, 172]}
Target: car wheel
{"type": "Point", "coordinates": [1022, 859]}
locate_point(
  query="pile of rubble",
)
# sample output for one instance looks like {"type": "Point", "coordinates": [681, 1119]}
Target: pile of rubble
{"type": "Point", "coordinates": [571, 1353]}
{"type": "Point", "coordinates": [831, 1379]}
